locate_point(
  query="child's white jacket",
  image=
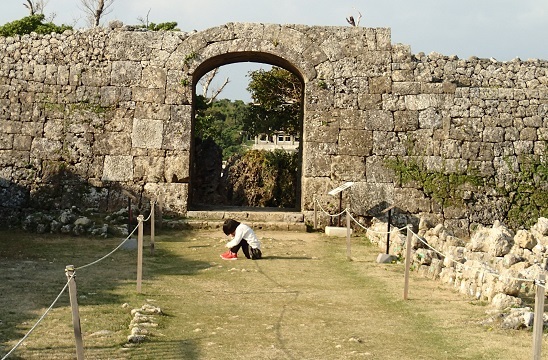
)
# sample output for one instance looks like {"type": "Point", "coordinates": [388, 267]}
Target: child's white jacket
{"type": "Point", "coordinates": [246, 233]}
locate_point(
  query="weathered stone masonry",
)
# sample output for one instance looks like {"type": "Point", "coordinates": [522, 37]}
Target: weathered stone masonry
{"type": "Point", "coordinates": [87, 116]}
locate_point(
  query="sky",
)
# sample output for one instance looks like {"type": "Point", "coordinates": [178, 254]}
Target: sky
{"type": "Point", "coordinates": [500, 29]}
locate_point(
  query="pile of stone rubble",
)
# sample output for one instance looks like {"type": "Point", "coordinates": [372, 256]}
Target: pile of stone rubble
{"type": "Point", "coordinates": [495, 265]}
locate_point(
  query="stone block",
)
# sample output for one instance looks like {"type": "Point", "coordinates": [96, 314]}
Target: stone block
{"type": "Point", "coordinates": [126, 73]}
{"type": "Point", "coordinates": [6, 142]}
{"type": "Point", "coordinates": [148, 168]}
{"type": "Point", "coordinates": [177, 168]}
{"type": "Point", "coordinates": [154, 78]}
{"type": "Point", "coordinates": [386, 258]}
{"type": "Point", "coordinates": [118, 168]}
{"type": "Point", "coordinates": [355, 142]}
{"type": "Point", "coordinates": [147, 133]}
{"type": "Point", "coordinates": [376, 170]}
{"type": "Point", "coordinates": [379, 120]}
{"type": "Point", "coordinates": [406, 120]}
{"type": "Point", "coordinates": [336, 231]}
{"type": "Point", "coordinates": [344, 167]}
{"type": "Point", "coordinates": [316, 165]}
{"type": "Point", "coordinates": [112, 143]}
{"type": "Point", "coordinates": [380, 85]}
{"type": "Point", "coordinates": [148, 95]}
{"type": "Point", "coordinates": [145, 110]}
{"type": "Point", "coordinates": [22, 142]}
{"type": "Point", "coordinates": [177, 130]}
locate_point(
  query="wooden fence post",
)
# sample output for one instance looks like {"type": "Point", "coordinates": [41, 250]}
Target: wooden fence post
{"type": "Point", "coordinates": [69, 271]}
{"type": "Point", "coordinates": [348, 251]}
{"type": "Point", "coordinates": [140, 218]}
{"type": "Point", "coordinates": [538, 322]}
{"type": "Point", "coordinates": [152, 227]}
{"type": "Point", "coordinates": [407, 261]}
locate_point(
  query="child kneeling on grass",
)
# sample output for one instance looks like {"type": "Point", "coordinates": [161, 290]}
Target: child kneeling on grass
{"type": "Point", "coordinates": [242, 237]}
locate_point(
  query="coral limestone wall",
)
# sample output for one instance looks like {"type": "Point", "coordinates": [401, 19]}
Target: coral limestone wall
{"type": "Point", "coordinates": [88, 117]}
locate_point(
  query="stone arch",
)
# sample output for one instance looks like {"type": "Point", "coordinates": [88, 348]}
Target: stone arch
{"type": "Point", "coordinates": [286, 46]}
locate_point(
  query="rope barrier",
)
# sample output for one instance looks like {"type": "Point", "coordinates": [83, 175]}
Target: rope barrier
{"type": "Point", "coordinates": [429, 246]}
{"type": "Point", "coordinates": [110, 253]}
{"type": "Point", "coordinates": [356, 221]}
{"type": "Point", "coordinates": [328, 214]}
{"type": "Point", "coordinates": [467, 266]}
{"type": "Point", "coordinates": [66, 285]}
{"type": "Point", "coordinates": [39, 320]}
{"type": "Point", "coordinates": [374, 231]}
{"type": "Point", "coordinates": [150, 214]}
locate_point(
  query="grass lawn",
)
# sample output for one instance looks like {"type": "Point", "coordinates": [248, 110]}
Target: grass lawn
{"type": "Point", "coordinates": [304, 300]}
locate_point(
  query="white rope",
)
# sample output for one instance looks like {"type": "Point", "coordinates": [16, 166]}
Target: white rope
{"type": "Point", "coordinates": [326, 213]}
{"type": "Point", "coordinates": [356, 221]}
{"type": "Point", "coordinates": [39, 320]}
{"type": "Point", "coordinates": [151, 210]}
{"type": "Point", "coordinates": [110, 253]}
{"type": "Point", "coordinates": [65, 287]}
{"type": "Point", "coordinates": [373, 231]}
{"type": "Point", "coordinates": [467, 266]}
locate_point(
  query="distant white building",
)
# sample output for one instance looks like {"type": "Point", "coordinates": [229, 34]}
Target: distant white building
{"type": "Point", "coordinates": [278, 140]}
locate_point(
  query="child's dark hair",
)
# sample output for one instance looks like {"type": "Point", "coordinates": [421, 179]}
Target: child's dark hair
{"type": "Point", "coordinates": [230, 226]}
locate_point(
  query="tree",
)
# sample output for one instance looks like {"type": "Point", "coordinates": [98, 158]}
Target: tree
{"type": "Point", "coordinates": [35, 6]}
{"type": "Point", "coordinates": [276, 103]}
{"type": "Point", "coordinates": [206, 80]}
{"type": "Point", "coordinates": [96, 9]}
{"type": "Point", "coordinates": [222, 122]}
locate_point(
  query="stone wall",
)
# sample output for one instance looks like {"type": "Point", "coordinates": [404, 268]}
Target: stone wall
{"type": "Point", "coordinates": [496, 265]}
{"type": "Point", "coordinates": [90, 117]}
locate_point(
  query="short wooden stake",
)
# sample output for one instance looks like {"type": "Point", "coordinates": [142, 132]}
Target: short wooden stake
{"type": "Point", "coordinates": [348, 250]}
{"type": "Point", "coordinates": [140, 218]}
{"type": "Point", "coordinates": [407, 261]}
{"type": "Point", "coordinates": [538, 322]}
{"type": "Point", "coordinates": [69, 271]}
{"type": "Point", "coordinates": [152, 225]}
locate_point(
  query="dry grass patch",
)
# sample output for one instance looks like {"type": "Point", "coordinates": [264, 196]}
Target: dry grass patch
{"type": "Point", "coordinates": [304, 300]}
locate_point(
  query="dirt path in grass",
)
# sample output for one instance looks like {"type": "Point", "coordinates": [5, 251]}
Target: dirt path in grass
{"type": "Point", "coordinates": [304, 300]}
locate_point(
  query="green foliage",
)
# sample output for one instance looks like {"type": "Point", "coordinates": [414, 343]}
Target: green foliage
{"type": "Point", "coordinates": [33, 23]}
{"type": "Point", "coordinates": [264, 178]}
{"type": "Point", "coordinates": [165, 26]}
{"type": "Point", "coordinates": [189, 58]}
{"type": "Point", "coordinates": [446, 189]}
{"type": "Point", "coordinates": [276, 104]}
{"type": "Point", "coordinates": [222, 122]}
{"type": "Point", "coordinates": [527, 193]}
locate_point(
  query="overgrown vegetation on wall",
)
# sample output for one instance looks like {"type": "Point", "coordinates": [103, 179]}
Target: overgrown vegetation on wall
{"type": "Point", "coordinates": [33, 23]}
{"type": "Point", "coordinates": [525, 192]}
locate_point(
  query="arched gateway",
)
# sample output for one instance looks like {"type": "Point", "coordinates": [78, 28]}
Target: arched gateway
{"type": "Point", "coordinates": [86, 117]}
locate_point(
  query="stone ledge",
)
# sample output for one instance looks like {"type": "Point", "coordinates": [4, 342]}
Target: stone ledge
{"type": "Point", "coordinates": [196, 224]}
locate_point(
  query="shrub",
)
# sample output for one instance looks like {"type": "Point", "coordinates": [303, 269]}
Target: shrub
{"type": "Point", "coordinates": [32, 23]}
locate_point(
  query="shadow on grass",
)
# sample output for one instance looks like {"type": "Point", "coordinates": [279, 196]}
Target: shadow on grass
{"type": "Point", "coordinates": [33, 274]}
{"type": "Point", "coordinates": [277, 257]}
{"type": "Point", "coordinates": [290, 354]}
{"type": "Point", "coordinates": [156, 349]}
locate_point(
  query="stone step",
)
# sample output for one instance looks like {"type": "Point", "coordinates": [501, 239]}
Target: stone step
{"type": "Point", "coordinates": [257, 220]}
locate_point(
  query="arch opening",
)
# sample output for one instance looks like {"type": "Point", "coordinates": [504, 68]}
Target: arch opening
{"type": "Point", "coordinates": [213, 175]}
